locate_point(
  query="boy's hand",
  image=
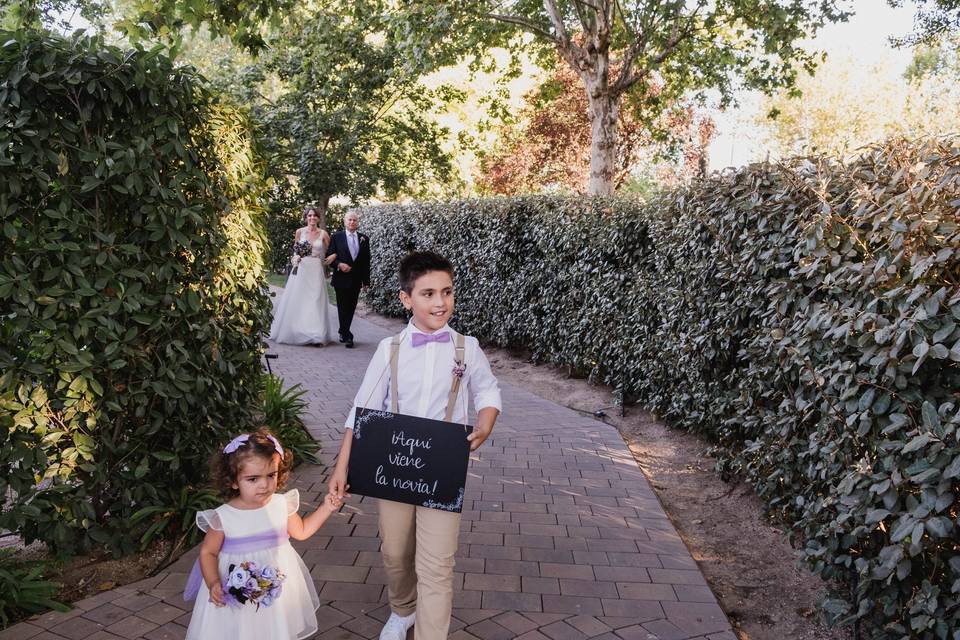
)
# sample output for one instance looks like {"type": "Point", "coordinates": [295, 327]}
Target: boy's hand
{"type": "Point", "coordinates": [216, 595]}
{"type": "Point", "coordinates": [338, 484]}
{"type": "Point", "coordinates": [477, 436]}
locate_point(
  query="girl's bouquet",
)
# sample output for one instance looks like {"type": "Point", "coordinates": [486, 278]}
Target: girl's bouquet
{"type": "Point", "coordinates": [248, 582]}
{"type": "Point", "coordinates": [300, 250]}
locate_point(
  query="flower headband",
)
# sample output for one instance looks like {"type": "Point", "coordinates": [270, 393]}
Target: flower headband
{"type": "Point", "coordinates": [237, 442]}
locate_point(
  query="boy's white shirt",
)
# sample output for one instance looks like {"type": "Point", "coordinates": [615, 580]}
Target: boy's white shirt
{"type": "Point", "coordinates": [424, 378]}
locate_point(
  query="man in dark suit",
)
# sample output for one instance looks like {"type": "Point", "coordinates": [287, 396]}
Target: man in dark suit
{"type": "Point", "coordinates": [351, 271]}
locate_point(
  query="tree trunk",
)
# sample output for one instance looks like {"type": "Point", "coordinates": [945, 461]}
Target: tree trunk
{"type": "Point", "coordinates": [604, 112]}
{"type": "Point", "coordinates": [323, 204]}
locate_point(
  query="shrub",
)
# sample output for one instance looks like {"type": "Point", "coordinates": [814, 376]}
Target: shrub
{"type": "Point", "coordinates": [282, 409]}
{"type": "Point", "coordinates": [131, 286]}
{"type": "Point", "coordinates": [24, 588]}
{"type": "Point", "coordinates": [804, 316]}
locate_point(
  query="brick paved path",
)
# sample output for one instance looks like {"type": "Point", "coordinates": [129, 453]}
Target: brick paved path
{"type": "Point", "coordinates": [562, 537]}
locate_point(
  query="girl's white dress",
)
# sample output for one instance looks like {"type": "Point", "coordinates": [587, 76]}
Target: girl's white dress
{"type": "Point", "coordinates": [293, 613]}
{"type": "Point", "coordinates": [303, 314]}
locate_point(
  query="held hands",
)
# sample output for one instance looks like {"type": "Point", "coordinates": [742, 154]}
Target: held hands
{"type": "Point", "coordinates": [338, 486]}
{"type": "Point", "coordinates": [216, 595]}
{"type": "Point", "coordinates": [331, 503]}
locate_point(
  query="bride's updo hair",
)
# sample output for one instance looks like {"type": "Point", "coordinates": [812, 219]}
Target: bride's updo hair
{"type": "Point", "coordinates": [321, 223]}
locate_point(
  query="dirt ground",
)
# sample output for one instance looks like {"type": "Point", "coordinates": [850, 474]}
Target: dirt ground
{"type": "Point", "coordinates": [747, 561]}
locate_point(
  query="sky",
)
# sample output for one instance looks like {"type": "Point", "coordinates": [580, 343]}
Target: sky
{"type": "Point", "coordinates": [866, 35]}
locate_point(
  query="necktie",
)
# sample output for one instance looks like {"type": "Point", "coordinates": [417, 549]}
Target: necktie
{"type": "Point", "coordinates": [353, 245]}
{"type": "Point", "coordinates": [420, 339]}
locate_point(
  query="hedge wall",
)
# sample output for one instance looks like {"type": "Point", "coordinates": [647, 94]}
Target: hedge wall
{"type": "Point", "coordinates": [131, 286]}
{"type": "Point", "coordinates": [804, 316]}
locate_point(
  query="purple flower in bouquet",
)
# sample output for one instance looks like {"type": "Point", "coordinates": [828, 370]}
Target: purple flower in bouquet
{"type": "Point", "coordinates": [238, 577]}
{"type": "Point", "coordinates": [248, 582]}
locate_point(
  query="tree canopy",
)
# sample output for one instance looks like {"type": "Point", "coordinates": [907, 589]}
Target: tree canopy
{"type": "Point", "coordinates": [618, 48]}
{"type": "Point", "coordinates": [935, 20]}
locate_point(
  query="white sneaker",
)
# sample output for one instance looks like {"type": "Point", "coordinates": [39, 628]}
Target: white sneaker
{"type": "Point", "coordinates": [397, 626]}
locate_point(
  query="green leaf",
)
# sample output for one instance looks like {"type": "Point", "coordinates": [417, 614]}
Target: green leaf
{"type": "Point", "coordinates": [918, 442]}
{"type": "Point", "coordinates": [931, 420]}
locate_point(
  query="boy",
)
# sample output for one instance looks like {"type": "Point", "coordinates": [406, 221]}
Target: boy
{"type": "Point", "coordinates": [418, 544]}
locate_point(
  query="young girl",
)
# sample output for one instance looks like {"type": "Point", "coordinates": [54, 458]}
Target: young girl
{"type": "Point", "coordinates": [254, 585]}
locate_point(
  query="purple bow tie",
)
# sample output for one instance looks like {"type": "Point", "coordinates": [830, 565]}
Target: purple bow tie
{"type": "Point", "coordinates": [420, 339]}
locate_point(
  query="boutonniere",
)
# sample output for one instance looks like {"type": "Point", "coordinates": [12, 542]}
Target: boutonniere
{"type": "Point", "coordinates": [363, 238]}
{"type": "Point", "coordinates": [458, 370]}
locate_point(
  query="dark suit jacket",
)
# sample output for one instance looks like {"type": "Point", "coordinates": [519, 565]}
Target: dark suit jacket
{"type": "Point", "coordinates": [359, 275]}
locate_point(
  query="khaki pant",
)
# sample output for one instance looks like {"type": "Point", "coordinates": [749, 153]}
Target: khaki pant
{"type": "Point", "coordinates": [418, 551]}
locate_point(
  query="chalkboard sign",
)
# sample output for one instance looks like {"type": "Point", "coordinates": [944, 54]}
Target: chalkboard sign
{"type": "Point", "coordinates": [409, 459]}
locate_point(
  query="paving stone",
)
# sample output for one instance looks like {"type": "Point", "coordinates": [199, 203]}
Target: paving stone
{"type": "Point", "coordinates": [675, 576]}
{"type": "Point", "coordinates": [77, 628]}
{"type": "Point", "coordinates": [498, 552]}
{"type": "Point", "coordinates": [588, 625]}
{"type": "Point", "coordinates": [22, 631]}
{"type": "Point", "coordinates": [364, 626]}
{"type": "Point", "coordinates": [562, 556]}
{"type": "Point", "coordinates": [621, 574]}
{"type": "Point", "coordinates": [169, 631]}
{"type": "Point", "coordinates": [160, 613]}
{"type": "Point", "coordinates": [570, 571]}
{"type": "Point", "coordinates": [132, 627]}
{"type": "Point", "coordinates": [52, 618]}
{"type": "Point", "coordinates": [694, 593]}
{"type": "Point", "coordinates": [513, 567]}
{"type": "Point", "coordinates": [636, 610]}
{"type": "Point", "coordinates": [489, 630]}
{"type": "Point", "coordinates": [506, 601]}
{"type": "Point", "coordinates": [136, 601]}
{"type": "Point", "coordinates": [562, 631]}
{"type": "Point", "coordinates": [474, 615]}
{"type": "Point", "coordinates": [515, 622]}
{"type": "Point", "coordinates": [490, 582]}
{"type": "Point", "coordinates": [590, 588]}
{"type": "Point", "coordinates": [533, 635]}
{"type": "Point", "coordinates": [639, 591]}
{"type": "Point", "coordinates": [338, 573]}
{"type": "Point", "coordinates": [665, 630]}
{"type": "Point", "coordinates": [107, 614]}
{"type": "Point", "coordinates": [350, 591]}
{"type": "Point", "coordinates": [696, 618]}
{"type": "Point", "coordinates": [572, 605]}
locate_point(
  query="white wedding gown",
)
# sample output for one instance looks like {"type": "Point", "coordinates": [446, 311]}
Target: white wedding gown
{"type": "Point", "coordinates": [303, 314]}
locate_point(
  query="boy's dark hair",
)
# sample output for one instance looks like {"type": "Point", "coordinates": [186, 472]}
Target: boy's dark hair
{"type": "Point", "coordinates": [419, 263]}
{"type": "Point", "coordinates": [225, 467]}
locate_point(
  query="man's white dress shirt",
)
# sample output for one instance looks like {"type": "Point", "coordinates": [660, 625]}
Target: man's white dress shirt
{"type": "Point", "coordinates": [424, 379]}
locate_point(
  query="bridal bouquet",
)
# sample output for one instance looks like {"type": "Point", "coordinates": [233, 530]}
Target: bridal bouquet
{"type": "Point", "coordinates": [300, 251]}
{"type": "Point", "coordinates": [249, 582]}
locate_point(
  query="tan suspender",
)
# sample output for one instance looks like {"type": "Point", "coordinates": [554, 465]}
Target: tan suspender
{"type": "Point", "coordinates": [394, 356]}
{"type": "Point", "coordinates": [460, 361]}
{"type": "Point", "coordinates": [459, 352]}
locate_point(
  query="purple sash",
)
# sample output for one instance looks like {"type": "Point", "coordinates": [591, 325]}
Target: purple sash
{"type": "Point", "coordinates": [244, 544]}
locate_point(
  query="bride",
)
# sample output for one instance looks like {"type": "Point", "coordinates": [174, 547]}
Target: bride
{"type": "Point", "coordinates": [302, 314]}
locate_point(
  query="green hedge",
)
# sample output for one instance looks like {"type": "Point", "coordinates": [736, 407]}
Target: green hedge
{"type": "Point", "coordinates": [804, 316]}
{"type": "Point", "coordinates": [131, 286]}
